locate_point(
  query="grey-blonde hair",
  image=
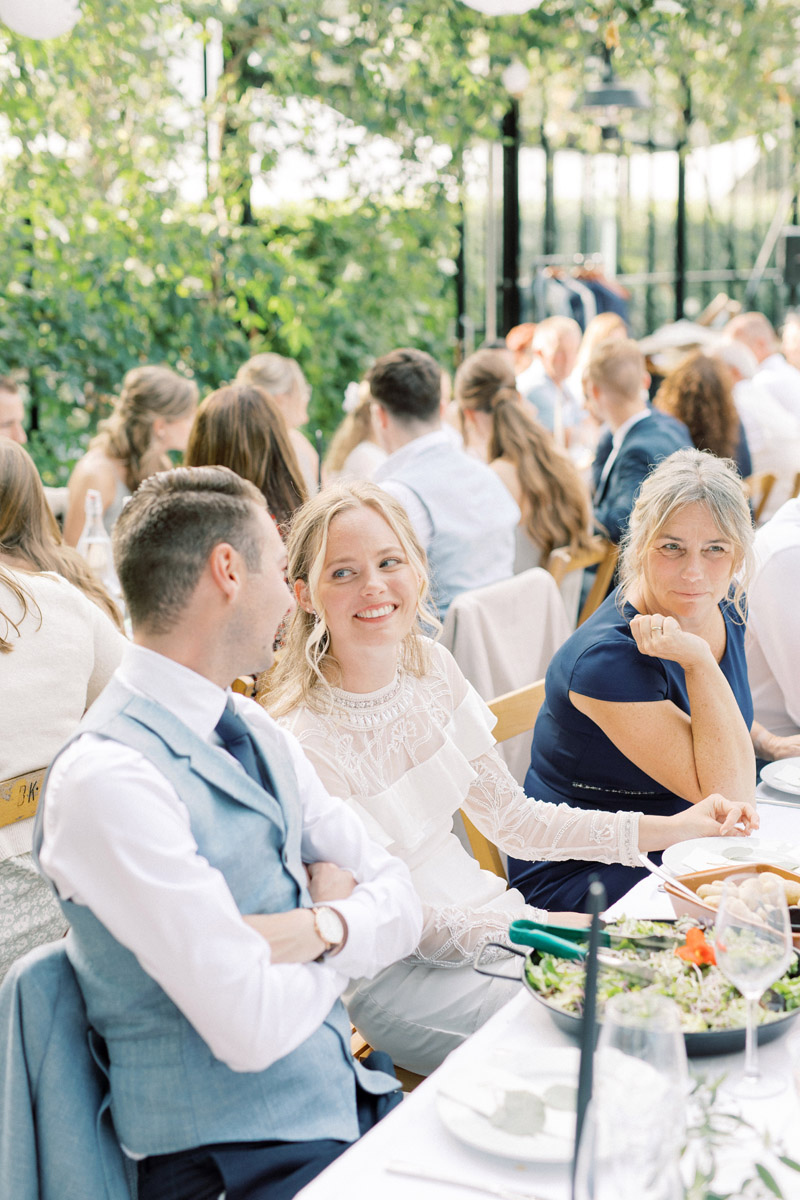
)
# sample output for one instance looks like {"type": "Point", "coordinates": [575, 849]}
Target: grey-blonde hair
{"type": "Point", "coordinates": [690, 477]}
{"type": "Point", "coordinates": [307, 667]}
{"type": "Point", "coordinates": [277, 375]}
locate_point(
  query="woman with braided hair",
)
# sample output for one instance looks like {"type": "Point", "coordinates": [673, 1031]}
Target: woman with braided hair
{"type": "Point", "coordinates": [151, 416]}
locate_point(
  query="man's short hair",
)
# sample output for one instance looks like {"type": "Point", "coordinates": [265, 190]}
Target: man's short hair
{"type": "Point", "coordinates": [408, 384]}
{"type": "Point", "coordinates": [167, 530]}
{"type": "Point", "coordinates": [617, 366]}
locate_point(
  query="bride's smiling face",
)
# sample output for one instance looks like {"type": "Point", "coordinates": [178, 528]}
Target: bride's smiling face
{"type": "Point", "coordinates": [367, 589]}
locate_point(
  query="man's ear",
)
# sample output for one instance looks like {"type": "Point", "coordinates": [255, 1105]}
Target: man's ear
{"type": "Point", "coordinates": [302, 594]}
{"type": "Point", "coordinates": [379, 415]}
{"type": "Point", "coordinates": [225, 568]}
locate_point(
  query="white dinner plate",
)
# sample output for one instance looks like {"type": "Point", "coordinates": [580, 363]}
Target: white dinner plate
{"type": "Point", "coordinates": [783, 775]}
{"type": "Point", "coordinates": [553, 1074]}
{"type": "Point", "coordinates": [703, 854]}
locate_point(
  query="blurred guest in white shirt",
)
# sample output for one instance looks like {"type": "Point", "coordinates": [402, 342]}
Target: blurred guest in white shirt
{"type": "Point", "coordinates": [775, 374]}
{"type": "Point", "coordinates": [773, 434]}
{"type": "Point", "coordinates": [773, 624]}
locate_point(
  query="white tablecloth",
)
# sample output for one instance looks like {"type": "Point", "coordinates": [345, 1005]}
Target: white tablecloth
{"type": "Point", "coordinates": [415, 1134]}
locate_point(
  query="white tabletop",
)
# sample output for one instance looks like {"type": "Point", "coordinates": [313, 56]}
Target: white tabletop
{"type": "Point", "coordinates": [414, 1133]}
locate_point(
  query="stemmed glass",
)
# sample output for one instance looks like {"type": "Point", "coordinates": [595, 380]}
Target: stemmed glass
{"type": "Point", "coordinates": [630, 1147]}
{"type": "Point", "coordinates": [753, 948]}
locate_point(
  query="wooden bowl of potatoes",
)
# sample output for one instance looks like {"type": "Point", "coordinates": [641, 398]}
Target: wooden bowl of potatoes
{"type": "Point", "coordinates": [708, 885]}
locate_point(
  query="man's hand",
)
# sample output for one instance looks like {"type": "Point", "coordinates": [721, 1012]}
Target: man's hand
{"type": "Point", "coordinates": [327, 882]}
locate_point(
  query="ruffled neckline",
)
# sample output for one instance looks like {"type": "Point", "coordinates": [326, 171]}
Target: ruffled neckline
{"type": "Point", "coordinates": [366, 710]}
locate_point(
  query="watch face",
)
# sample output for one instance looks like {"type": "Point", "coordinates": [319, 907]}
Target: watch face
{"type": "Point", "coordinates": [329, 926]}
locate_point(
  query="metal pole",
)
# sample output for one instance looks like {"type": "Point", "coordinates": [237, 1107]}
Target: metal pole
{"type": "Point", "coordinates": [511, 142]}
{"type": "Point", "coordinates": [490, 300]}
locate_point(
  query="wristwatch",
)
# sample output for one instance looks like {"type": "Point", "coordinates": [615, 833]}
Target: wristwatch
{"type": "Point", "coordinates": [330, 929]}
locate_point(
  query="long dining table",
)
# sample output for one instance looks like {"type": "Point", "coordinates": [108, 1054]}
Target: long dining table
{"type": "Point", "coordinates": [414, 1138]}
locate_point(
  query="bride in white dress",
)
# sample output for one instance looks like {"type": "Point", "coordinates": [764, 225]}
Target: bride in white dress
{"type": "Point", "coordinates": [392, 726]}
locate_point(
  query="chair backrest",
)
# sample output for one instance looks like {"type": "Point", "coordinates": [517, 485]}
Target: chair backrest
{"type": "Point", "coordinates": [603, 554]}
{"type": "Point", "coordinates": [795, 487]}
{"type": "Point", "coordinates": [758, 487]}
{"type": "Point", "coordinates": [516, 713]}
{"type": "Point", "coordinates": [19, 797]}
{"type": "Point", "coordinates": [505, 635]}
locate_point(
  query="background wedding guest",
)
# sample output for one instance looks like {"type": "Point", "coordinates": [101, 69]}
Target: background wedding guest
{"type": "Point", "coordinates": [354, 452]}
{"type": "Point", "coordinates": [12, 412]}
{"type": "Point", "coordinates": [391, 725]}
{"type": "Point", "coordinates": [773, 624]}
{"type": "Point", "coordinates": [58, 649]}
{"type": "Point", "coordinates": [699, 393]}
{"type": "Point", "coordinates": [151, 416]}
{"type": "Point", "coordinates": [773, 434]}
{"type": "Point", "coordinates": [648, 705]}
{"type": "Point", "coordinates": [552, 498]}
{"type": "Point", "coordinates": [240, 427]}
{"type": "Point", "coordinates": [463, 515]}
{"type": "Point", "coordinates": [283, 379]}
{"type": "Point", "coordinates": [790, 339]}
{"type": "Point", "coordinates": [555, 346]}
{"type": "Point", "coordinates": [779, 377]}
{"type": "Point", "coordinates": [637, 436]}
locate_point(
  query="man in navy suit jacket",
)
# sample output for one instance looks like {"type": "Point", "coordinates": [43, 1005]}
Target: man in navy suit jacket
{"type": "Point", "coordinates": [638, 437]}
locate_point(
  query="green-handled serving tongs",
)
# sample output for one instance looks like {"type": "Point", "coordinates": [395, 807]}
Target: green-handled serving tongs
{"type": "Point", "coordinates": [522, 930]}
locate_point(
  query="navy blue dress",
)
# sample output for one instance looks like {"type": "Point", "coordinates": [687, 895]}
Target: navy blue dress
{"type": "Point", "coordinates": [573, 761]}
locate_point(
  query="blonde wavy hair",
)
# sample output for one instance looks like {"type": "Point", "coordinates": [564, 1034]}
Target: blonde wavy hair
{"type": "Point", "coordinates": [689, 477]}
{"type": "Point", "coordinates": [127, 435]}
{"type": "Point", "coordinates": [307, 667]}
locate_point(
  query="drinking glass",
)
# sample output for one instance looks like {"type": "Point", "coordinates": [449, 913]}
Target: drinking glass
{"type": "Point", "coordinates": [641, 1084]}
{"type": "Point", "coordinates": [753, 948]}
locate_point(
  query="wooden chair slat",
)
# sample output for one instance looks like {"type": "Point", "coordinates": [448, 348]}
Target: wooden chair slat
{"type": "Point", "coordinates": [516, 713]}
{"type": "Point", "coordinates": [758, 487]}
{"type": "Point", "coordinates": [19, 797]}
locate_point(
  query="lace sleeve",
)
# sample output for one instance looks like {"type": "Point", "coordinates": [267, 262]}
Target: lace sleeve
{"type": "Point", "coordinates": [534, 829]}
{"type": "Point", "coordinates": [452, 936]}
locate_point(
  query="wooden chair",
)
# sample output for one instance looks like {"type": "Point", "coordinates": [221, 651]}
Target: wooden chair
{"type": "Point", "coordinates": [361, 1049]}
{"type": "Point", "coordinates": [602, 554]}
{"type": "Point", "coordinates": [19, 797]}
{"type": "Point", "coordinates": [516, 713]}
{"type": "Point", "coordinates": [758, 487]}
{"type": "Point", "coordinates": [245, 685]}
{"type": "Point", "coordinates": [795, 487]}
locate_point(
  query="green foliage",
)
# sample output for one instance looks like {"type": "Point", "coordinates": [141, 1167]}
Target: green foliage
{"type": "Point", "coordinates": [106, 262]}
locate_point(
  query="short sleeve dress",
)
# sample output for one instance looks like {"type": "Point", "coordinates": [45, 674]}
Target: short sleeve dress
{"type": "Point", "coordinates": [573, 761]}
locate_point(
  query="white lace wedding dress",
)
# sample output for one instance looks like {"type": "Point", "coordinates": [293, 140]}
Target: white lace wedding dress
{"type": "Point", "coordinates": [406, 758]}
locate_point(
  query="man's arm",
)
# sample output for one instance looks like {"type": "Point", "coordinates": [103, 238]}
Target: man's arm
{"type": "Point", "coordinates": [127, 852]}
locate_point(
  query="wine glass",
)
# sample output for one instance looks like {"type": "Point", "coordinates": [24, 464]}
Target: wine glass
{"type": "Point", "coordinates": [753, 948]}
{"type": "Point", "coordinates": [641, 1085]}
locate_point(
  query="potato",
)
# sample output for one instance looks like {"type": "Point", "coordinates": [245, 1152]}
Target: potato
{"type": "Point", "coordinates": [792, 890]}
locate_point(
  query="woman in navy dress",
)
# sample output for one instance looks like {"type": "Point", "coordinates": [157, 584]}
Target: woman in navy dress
{"type": "Point", "coordinates": [648, 704]}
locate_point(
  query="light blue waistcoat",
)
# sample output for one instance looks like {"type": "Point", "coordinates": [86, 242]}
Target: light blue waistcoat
{"type": "Point", "coordinates": [168, 1091]}
{"type": "Point", "coordinates": [474, 519]}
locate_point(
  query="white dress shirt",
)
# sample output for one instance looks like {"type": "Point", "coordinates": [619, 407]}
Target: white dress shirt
{"type": "Point", "coordinates": [416, 511]}
{"type": "Point", "coordinates": [773, 623]}
{"type": "Point", "coordinates": [118, 839]}
{"type": "Point", "coordinates": [782, 381]}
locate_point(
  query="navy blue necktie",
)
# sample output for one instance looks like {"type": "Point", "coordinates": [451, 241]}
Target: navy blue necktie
{"type": "Point", "coordinates": [239, 742]}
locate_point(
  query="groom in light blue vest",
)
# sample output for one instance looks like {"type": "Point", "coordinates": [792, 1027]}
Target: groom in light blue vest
{"type": "Point", "coordinates": [219, 898]}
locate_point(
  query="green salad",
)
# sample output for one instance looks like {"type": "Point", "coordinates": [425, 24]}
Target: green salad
{"type": "Point", "coordinates": [704, 996]}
